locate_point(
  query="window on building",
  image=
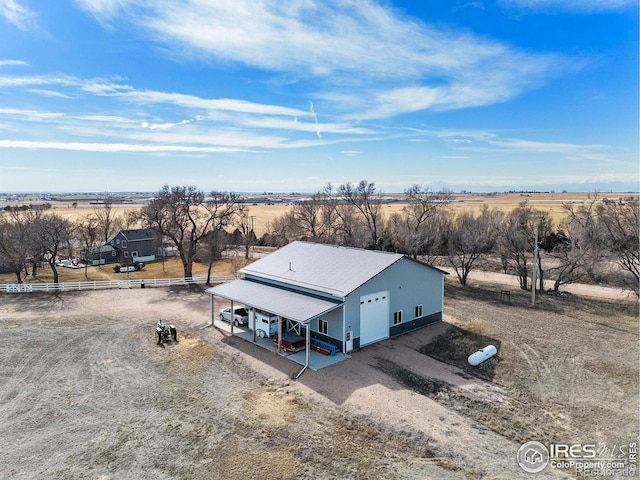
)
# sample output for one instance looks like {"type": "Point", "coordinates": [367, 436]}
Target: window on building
{"type": "Point", "coordinates": [323, 326]}
{"type": "Point", "coordinates": [126, 254]}
{"type": "Point", "coordinates": [397, 317]}
{"type": "Point", "coordinates": [418, 311]}
{"type": "Point", "coordinates": [124, 244]}
{"type": "Point", "coordinates": [134, 253]}
{"type": "Point", "coordinates": [117, 241]}
{"type": "Point", "coordinates": [113, 254]}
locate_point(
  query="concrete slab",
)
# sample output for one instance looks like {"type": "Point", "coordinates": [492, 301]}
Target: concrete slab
{"type": "Point", "coordinates": [316, 359]}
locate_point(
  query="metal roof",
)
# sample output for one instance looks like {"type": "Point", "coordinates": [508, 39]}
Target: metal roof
{"type": "Point", "coordinates": [291, 305]}
{"type": "Point", "coordinates": [139, 234]}
{"type": "Point", "coordinates": [325, 268]}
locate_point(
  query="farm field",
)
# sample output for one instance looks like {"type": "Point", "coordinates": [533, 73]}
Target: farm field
{"type": "Point", "coordinates": [265, 214]}
{"type": "Point", "coordinates": [86, 393]}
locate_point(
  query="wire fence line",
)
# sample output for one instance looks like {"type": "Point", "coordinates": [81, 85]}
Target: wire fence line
{"type": "Point", "coordinates": [106, 284]}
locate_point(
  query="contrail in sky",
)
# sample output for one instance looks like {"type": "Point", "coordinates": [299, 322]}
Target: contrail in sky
{"type": "Point", "coordinates": [315, 117]}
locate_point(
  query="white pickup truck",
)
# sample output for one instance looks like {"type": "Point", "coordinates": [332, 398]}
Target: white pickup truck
{"type": "Point", "coordinates": [240, 315]}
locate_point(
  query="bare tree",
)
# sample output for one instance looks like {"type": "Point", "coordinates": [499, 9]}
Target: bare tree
{"type": "Point", "coordinates": [130, 220]}
{"type": "Point", "coordinates": [513, 242]}
{"type": "Point", "coordinates": [245, 226]}
{"type": "Point", "coordinates": [278, 233]}
{"type": "Point", "coordinates": [619, 225]}
{"type": "Point", "coordinates": [306, 217]}
{"type": "Point", "coordinates": [315, 218]}
{"type": "Point", "coordinates": [419, 235]}
{"type": "Point", "coordinates": [17, 244]}
{"type": "Point", "coordinates": [349, 230]}
{"type": "Point", "coordinates": [581, 248]}
{"type": "Point", "coordinates": [88, 232]}
{"type": "Point", "coordinates": [214, 243]}
{"type": "Point", "coordinates": [53, 234]}
{"type": "Point", "coordinates": [184, 216]}
{"type": "Point", "coordinates": [13, 251]}
{"type": "Point", "coordinates": [107, 220]}
{"type": "Point", "coordinates": [364, 198]}
{"type": "Point", "coordinates": [545, 226]}
{"type": "Point", "coordinates": [469, 239]}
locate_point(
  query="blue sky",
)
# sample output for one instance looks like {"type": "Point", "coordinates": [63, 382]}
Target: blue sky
{"type": "Point", "coordinates": [265, 95]}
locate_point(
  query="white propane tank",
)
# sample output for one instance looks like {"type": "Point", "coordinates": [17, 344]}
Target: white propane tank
{"type": "Point", "coordinates": [482, 355]}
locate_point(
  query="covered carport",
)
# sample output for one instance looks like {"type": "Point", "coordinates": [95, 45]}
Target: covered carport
{"type": "Point", "coordinates": [286, 305]}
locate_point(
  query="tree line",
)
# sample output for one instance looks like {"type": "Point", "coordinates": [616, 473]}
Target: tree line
{"type": "Point", "coordinates": [594, 237]}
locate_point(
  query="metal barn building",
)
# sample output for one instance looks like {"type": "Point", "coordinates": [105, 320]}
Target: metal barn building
{"type": "Point", "coordinates": [339, 297]}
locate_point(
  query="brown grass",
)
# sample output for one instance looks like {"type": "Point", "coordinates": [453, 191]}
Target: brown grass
{"type": "Point", "coordinates": [171, 268]}
{"type": "Point", "coordinates": [476, 326]}
{"type": "Point", "coordinates": [264, 215]}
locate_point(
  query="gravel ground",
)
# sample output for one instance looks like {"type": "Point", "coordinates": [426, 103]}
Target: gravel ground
{"type": "Point", "coordinates": [86, 393]}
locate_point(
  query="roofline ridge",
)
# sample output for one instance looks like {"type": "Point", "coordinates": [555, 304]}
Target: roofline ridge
{"type": "Point", "coordinates": [348, 247]}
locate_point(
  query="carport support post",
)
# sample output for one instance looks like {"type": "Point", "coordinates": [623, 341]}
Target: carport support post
{"type": "Point", "coordinates": [253, 330]}
{"type": "Point", "coordinates": [279, 333]}
{"type": "Point", "coordinates": [232, 318]}
{"type": "Point", "coordinates": [211, 308]}
{"type": "Point", "coordinates": [308, 344]}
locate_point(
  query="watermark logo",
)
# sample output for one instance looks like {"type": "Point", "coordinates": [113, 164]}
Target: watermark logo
{"type": "Point", "coordinates": [533, 457]}
{"type": "Point", "coordinates": [584, 460]}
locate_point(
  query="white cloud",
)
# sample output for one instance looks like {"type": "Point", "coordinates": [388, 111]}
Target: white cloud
{"type": "Point", "coordinates": [457, 141]}
{"type": "Point", "coordinates": [18, 15]}
{"type": "Point", "coordinates": [111, 147]}
{"type": "Point", "coordinates": [101, 87]}
{"type": "Point", "coordinates": [8, 81]}
{"type": "Point", "coordinates": [164, 126]}
{"type": "Point", "coordinates": [30, 114]}
{"type": "Point", "coordinates": [48, 93]}
{"type": "Point", "coordinates": [356, 50]}
{"type": "Point", "coordinates": [13, 63]}
{"type": "Point", "coordinates": [203, 104]}
{"type": "Point", "coordinates": [568, 151]}
{"type": "Point", "coordinates": [103, 9]}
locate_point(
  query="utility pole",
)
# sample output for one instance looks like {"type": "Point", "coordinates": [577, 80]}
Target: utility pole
{"type": "Point", "coordinates": [252, 234]}
{"type": "Point", "coordinates": [535, 270]}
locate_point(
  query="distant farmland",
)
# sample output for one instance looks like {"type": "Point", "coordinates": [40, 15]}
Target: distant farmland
{"type": "Point", "coordinates": [265, 213]}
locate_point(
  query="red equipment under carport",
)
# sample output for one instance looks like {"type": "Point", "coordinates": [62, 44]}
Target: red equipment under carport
{"type": "Point", "coordinates": [290, 342]}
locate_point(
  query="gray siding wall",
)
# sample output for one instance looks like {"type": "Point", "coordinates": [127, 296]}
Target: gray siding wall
{"type": "Point", "coordinates": [334, 318]}
{"type": "Point", "coordinates": [409, 284]}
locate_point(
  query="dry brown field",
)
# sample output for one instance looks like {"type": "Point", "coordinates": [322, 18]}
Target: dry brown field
{"type": "Point", "coordinates": [170, 268]}
{"type": "Point", "coordinates": [86, 392]}
{"type": "Point", "coordinates": [264, 215]}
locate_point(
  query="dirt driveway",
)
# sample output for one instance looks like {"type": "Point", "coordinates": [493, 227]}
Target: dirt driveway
{"type": "Point", "coordinates": [86, 393]}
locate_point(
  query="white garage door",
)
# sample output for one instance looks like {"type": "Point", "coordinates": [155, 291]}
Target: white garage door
{"type": "Point", "coordinates": [374, 317]}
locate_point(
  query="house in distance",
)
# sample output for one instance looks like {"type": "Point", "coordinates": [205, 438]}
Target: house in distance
{"type": "Point", "coordinates": [346, 297]}
{"type": "Point", "coordinates": [137, 245]}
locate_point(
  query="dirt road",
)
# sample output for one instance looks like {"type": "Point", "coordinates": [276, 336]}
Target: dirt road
{"type": "Point", "coordinates": [593, 291]}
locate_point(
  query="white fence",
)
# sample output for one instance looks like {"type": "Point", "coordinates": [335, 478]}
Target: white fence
{"type": "Point", "coordinates": [99, 285]}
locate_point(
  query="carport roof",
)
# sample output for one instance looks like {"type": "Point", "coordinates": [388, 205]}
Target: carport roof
{"type": "Point", "coordinates": [291, 305]}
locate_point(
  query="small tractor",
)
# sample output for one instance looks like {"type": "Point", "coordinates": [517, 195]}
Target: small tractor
{"type": "Point", "coordinates": [163, 333]}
